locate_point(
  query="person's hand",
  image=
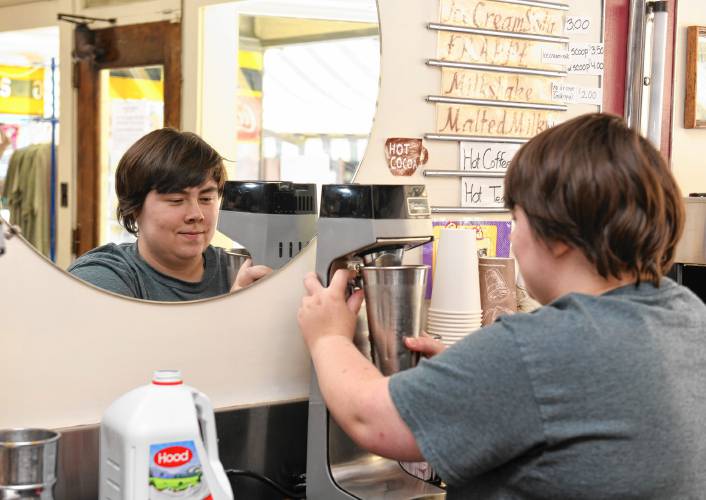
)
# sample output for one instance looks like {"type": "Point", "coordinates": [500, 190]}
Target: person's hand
{"type": "Point", "coordinates": [325, 312]}
{"type": "Point", "coordinates": [249, 274]}
{"type": "Point", "coordinates": [424, 345]}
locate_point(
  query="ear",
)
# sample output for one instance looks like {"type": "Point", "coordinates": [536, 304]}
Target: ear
{"type": "Point", "coordinates": [559, 249]}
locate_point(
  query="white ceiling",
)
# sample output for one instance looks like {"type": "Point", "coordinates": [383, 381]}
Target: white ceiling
{"type": "Point", "coordinates": [340, 10]}
{"type": "Point", "coordinates": [6, 3]}
{"type": "Point", "coordinates": [35, 46]}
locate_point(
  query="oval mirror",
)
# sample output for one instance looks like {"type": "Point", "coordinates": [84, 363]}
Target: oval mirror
{"type": "Point", "coordinates": [289, 107]}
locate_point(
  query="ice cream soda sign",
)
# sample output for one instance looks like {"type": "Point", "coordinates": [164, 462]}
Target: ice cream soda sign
{"type": "Point", "coordinates": [405, 155]}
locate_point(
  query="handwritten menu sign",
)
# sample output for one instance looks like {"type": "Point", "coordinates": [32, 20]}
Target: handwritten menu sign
{"type": "Point", "coordinates": [459, 119]}
{"type": "Point", "coordinates": [576, 94]}
{"type": "Point", "coordinates": [513, 57]}
{"type": "Point", "coordinates": [586, 58]}
{"type": "Point", "coordinates": [495, 86]}
{"type": "Point", "coordinates": [502, 17]}
{"type": "Point", "coordinates": [577, 24]}
{"type": "Point", "coordinates": [486, 157]}
{"type": "Point", "coordinates": [494, 50]}
{"type": "Point", "coordinates": [486, 192]}
{"type": "Point", "coordinates": [404, 155]}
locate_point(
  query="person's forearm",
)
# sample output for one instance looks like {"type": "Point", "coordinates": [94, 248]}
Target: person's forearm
{"type": "Point", "coordinates": [358, 396]}
{"type": "Point", "coordinates": [343, 374]}
{"type": "Point", "coordinates": [347, 381]}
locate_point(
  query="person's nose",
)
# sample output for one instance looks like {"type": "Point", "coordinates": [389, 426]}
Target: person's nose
{"type": "Point", "coordinates": [194, 213]}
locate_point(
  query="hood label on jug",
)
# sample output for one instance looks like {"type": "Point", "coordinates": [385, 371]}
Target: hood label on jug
{"type": "Point", "coordinates": [174, 456]}
{"type": "Point", "coordinates": [176, 472]}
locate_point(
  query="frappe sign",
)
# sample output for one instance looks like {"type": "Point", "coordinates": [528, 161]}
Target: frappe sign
{"type": "Point", "coordinates": [405, 155]}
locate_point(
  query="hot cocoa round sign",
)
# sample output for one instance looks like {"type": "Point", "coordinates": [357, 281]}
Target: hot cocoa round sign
{"type": "Point", "coordinates": [404, 155]}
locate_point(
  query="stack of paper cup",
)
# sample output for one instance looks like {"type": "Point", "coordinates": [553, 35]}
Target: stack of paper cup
{"type": "Point", "coordinates": [455, 309]}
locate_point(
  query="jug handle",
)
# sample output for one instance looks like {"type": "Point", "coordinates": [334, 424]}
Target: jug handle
{"type": "Point", "coordinates": [208, 423]}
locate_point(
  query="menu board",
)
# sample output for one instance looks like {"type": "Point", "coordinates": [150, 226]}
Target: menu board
{"type": "Point", "coordinates": [487, 121]}
{"type": "Point", "coordinates": [497, 86]}
{"type": "Point", "coordinates": [498, 16]}
{"type": "Point", "coordinates": [495, 50]}
{"type": "Point", "coordinates": [506, 74]}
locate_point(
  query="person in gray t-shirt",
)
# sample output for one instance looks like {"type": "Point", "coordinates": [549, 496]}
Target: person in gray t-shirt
{"type": "Point", "coordinates": [169, 185]}
{"type": "Point", "coordinates": [121, 269]}
{"type": "Point", "coordinates": [600, 393]}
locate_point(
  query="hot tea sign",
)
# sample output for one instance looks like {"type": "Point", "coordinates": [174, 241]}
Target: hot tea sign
{"type": "Point", "coordinates": [483, 192]}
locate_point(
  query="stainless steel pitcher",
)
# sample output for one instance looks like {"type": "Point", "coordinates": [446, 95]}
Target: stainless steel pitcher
{"type": "Point", "coordinates": [28, 463]}
{"type": "Point", "coordinates": [393, 300]}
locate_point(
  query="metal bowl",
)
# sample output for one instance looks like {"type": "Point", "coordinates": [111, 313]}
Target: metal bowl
{"type": "Point", "coordinates": [27, 459]}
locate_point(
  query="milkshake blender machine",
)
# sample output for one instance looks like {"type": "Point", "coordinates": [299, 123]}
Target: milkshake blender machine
{"type": "Point", "coordinates": [359, 225]}
{"type": "Point", "coordinates": [273, 220]}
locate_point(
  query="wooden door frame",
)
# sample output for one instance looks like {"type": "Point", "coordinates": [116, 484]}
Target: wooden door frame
{"type": "Point", "coordinates": [148, 44]}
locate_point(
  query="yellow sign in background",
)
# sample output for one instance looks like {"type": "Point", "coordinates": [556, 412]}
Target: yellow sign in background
{"type": "Point", "coordinates": [136, 88]}
{"type": "Point", "coordinates": [21, 90]}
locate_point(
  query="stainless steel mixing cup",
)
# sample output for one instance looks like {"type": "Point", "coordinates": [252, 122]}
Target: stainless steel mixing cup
{"type": "Point", "coordinates": [27, 463]}
{"type": "Point", "coordinates": [236, 257]}
{"type": "Point", "coordinates": [393, 301]}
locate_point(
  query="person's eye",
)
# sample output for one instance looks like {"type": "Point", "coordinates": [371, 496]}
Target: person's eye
{"type": "Point", "coordinates": [207, 199]}
{"type": "Point", "coordinates": [174, 201]}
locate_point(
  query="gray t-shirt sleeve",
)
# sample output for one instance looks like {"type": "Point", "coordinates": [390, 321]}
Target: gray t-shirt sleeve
{"type": "Point", "coordinates": [471, 408]}
{"type": "Point", "coordinates": [103, 276]}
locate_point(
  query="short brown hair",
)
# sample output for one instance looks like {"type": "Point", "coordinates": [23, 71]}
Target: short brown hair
{"type": "Point", "coordinates": [598, 186]}
{"type": "Point", "coordinates": [167, 161]}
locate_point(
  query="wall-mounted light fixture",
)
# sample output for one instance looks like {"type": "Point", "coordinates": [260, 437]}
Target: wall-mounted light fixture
{"type": "Point", "coordinates": [644, 89]}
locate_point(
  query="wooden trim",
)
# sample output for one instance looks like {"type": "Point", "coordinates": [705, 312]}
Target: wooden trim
{"type": "Point", "coordinates": [87, 158]}
{"type": "Point", "coordinates": [173, 78]}
{"type": "Point", "coordinates": [148, 44]}
{"type": "Point", "coordinates": [692, 44]}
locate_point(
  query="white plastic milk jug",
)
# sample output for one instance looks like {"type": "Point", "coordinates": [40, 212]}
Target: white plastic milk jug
{"type": "Point", "coordinates": [151, 445]}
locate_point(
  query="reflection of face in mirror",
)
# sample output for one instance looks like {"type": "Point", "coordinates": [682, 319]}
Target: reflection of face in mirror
{"type": "Point", "coordinates": [168, 185]}
{"type": "Point", "coordinates": [302, 89]}
{"type": "Point", "coordinates": [176, 228]}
